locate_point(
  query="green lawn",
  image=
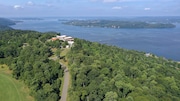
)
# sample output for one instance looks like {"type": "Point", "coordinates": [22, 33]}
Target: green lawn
{"type": "Point", "coordinates": [11, 89]}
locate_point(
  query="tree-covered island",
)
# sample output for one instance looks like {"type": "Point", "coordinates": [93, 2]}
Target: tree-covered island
{"type": "Point", "coordinates": [118, 24]}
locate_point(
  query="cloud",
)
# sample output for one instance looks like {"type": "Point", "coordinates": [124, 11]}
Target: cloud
{"type": "Point", "coordinates": [30, 3]}
{"type": "Point", "coordinates": [147, 9]}
{"type": "Point", "coordinates": [117, 7]}
{"type": "Point", "coordinates": [18, 6]}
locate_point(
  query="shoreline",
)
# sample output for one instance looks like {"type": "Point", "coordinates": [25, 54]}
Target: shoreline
{"type": "Point", "coordinates": [131, 39]}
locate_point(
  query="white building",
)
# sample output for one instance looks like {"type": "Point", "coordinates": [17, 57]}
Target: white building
{"type": "Point", "coordinates": [70, 40]}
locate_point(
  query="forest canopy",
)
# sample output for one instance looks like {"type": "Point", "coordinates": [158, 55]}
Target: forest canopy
{"type": "Point", "coordinates": [107, 73]}
{"type": "Point", "coordinates": [27, 55]}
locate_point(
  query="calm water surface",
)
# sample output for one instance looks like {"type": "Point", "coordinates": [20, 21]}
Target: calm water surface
{"type": "Point", "coordinates": [162, 42]}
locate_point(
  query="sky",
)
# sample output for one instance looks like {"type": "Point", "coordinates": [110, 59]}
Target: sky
{"type": "Point", "coordinates": [50, 8]}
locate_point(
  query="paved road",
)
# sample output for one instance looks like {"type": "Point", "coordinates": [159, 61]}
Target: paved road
{"type": "Point", "coordinates": [65, 85]}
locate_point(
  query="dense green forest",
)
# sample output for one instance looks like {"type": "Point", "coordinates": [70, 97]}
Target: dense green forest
{"type": "Point", "coordinates": [107, 73]}
{"type": "Point", "coordinates": [118, 24]}
{"type": "Point", "coordinates": [98, 72]}
{"type": "Point", "coordinates": [27, 54]}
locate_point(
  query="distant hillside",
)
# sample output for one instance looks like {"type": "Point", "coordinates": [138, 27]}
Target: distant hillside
{"type": "Point", "coordinates": [2, 28]}
{"type": "Point", "coordinates": [5, 23]}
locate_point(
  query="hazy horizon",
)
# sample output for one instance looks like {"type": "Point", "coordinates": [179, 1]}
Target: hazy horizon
{"type": "Point", "coordinates": [83, 8]}
{"type": "Point", "coordinates": [85, 16]}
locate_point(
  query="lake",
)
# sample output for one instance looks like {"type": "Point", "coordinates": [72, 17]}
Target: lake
{"type": "Point", "coordinates": [161, 42]}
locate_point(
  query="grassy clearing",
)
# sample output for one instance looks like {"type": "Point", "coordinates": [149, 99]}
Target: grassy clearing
{"type": "Point", "coordinates": [11, 89]}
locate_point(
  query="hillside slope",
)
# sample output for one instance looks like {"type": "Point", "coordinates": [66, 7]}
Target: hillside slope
{"type": "Point", "coordinates": [4, 24]}
{"type": "Point", "coordinates": [107, 73]}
